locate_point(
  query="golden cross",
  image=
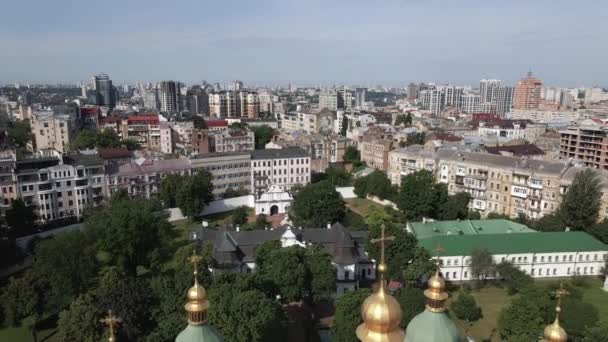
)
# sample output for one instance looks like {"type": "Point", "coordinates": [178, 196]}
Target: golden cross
{"type": "Point", "coordinates": [382, 239]}
{"type": "Point", "coordinates": [560, 293]}
{"type": "Point", "coordinates": [111, 321]}
{"type": "Point", "coordinates": [438, 250]}
{"type": "Point", "coordinates": [195, 260]}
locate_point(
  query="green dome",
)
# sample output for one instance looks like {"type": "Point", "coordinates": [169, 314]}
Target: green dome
{"type": "Point", "coordinates": [199, 333]}
{"type": "Point", "coordinates": [431, 327]}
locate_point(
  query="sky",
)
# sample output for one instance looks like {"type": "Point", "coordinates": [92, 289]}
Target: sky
{"type": "Point", "coordinates": [307, 42]}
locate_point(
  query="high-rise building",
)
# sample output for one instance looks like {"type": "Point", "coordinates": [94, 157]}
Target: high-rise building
{"type": "Point", "coordinates": [488, 89]}
{"type": "Point", "coordinates": [470, 103]}
{"type": "Point", "coordinates": [431, 99]}
{"type": "Point", "coordinates": [503, 100]}
{"type": "Point", "coordinates": [170, 96]}
{"type": "Point", "coordinates": [230, 104]}
{"type": "Point", "coordinates": [150, 98]}
{"type": "Point", "coordinates": [527, 93]}
{"type": "Point", "coordinates": [105, 94]}
{"type": "Point", "coordinates": [238, 86]}
{"type": "Point", "coordinates": [451, 95]}
{"type": "Point", "coordinates": [334, 99]}
{"type": "Point", "coordinates": [412, 91]}
{"type": "Point", "coordinates": [197, 101]}
{"type": "Point", "coordinates": [360, 97]}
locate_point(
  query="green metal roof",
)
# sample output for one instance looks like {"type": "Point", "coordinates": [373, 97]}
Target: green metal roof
{"type": "Point", "coordinates": [431, 327]}
{"type": "Point", "coordinates": [515, 243]}
{"type": "Point", "coordinates": [467, 227]}
{"type": "Point", "coordinates": [199, 333]}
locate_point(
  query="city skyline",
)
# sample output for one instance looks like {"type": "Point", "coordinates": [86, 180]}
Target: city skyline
{"type": "Point", "coordinates": [353, 43]}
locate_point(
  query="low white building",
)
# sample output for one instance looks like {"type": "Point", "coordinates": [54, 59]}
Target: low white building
{"type": "Point", "coordinates": [272, 202]}
{"type": "Point", "coordinates": [538, 254]}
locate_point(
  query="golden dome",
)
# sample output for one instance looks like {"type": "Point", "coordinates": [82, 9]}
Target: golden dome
{"type": "Point", "coordinates": [436, 288]}
{"type": "Point", "coordinates": [197, 302]}
{"type": "Point", "coordinates": [381, 313]}
{"type": "Point", "coordinates": [554, 332]}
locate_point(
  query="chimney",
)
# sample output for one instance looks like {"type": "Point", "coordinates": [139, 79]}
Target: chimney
{"type": "Point", "coordinates": [238, 228]}
{"type": "Point", "coordinates": [328, 225]}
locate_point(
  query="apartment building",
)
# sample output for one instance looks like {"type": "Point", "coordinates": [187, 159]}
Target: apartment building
{"type": "Point", "coordinates": [526, 94]}
{"type": "Point", "coordinates": [588, 144]}
{"type": "Point", "coordinates": [374, 145]}
{"type": "Point", "coordinates": [234, 104]}
{"type": "Point", "coordinates": [323, 149]}
{"type": "Point", "coordinates": [145, 129]}
{"type": "Point", "coordinates": [61, 186]}
{"type": "Point", "coordinates": [284, 168]}
{"type": "Point", "coordinates": [53, 131]}
{"type": "Point", "coordinates": [229, 170]}
{"type": "Point", "coordinates": [309, 121]}
{"type": "Point", "coordinates": [334, 99]}
{"type": "Point", "coordinates": [501, 184]}
{"type": "Point", "coordinates": [8, 180]}
{"type": "Point", "coordinates": [231, 140]}
{"type": "Point", "coordinates": [142, 177]}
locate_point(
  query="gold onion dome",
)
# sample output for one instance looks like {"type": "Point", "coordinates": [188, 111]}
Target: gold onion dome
{"type": "Point", "coordinates": [381, 313]}
{"type": "Point", "coordinates": [554, 332]}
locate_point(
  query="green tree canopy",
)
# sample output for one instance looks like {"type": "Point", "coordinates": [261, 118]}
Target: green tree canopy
{"type": "Point", "coordinates": [338, 176]}
{"type": "Point", "coordinates": [239, 215]}
{"type": "Point", "coordinates": [515, 279]}
{"type": "Point", "coordinates": [419, 196]}
{"type": "Point", "coordinates": [524, 319]}
{"type": "Point", "coordinates": [348, 315]}
{"type": "Point", "coordinates": [169, 187]}
{"type": "Point", "coordinates": [130, 232]}
{"type": "Point", "coordinates": [581, 202]}
{"type": "Point", "coordinates": [412, 302]}
{"type": "Point", "coordinates": [322, 272]}
{"type": "Point", "coordinates": [596, 333]}
{"type": "Point", "coordinates": [465, 307]}
{"type": "Point", "coordinates": [246, 315]}
{"type": "Point", "coordinates": [375, 184]}
{"type": "Point", "coordinates": [316, 205]}
{"type": "Point", "coordinates": [482, 264]}
{"type": "Point", "coordinates": [80, 322]}
{"type": "Point", "coordinates": [195, 193]}
{"type": "Point", "coordinates": [263, 134]}
{"type": "Point", "coordinates": [21, 217]}
{"type": "Point", "coordinates": [456, 207]}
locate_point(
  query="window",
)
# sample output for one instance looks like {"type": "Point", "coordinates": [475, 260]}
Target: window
{"type": "Point", "coordinates": [466, 274]}
{"type": "Point", "coordinates": [568, 270]}
{"type": "Point", "coordinates": [453, 274]}
{"type": "Point", "coordinates": [533, 271]}
{"type": "Point", "coordinates": [542, 259]}
{"type": "Point", "coordinates": [549, 257]}
{"type": "Point", "coordinates": [346, 275]}
{"type": "Point", "coordinates": [554, 271]}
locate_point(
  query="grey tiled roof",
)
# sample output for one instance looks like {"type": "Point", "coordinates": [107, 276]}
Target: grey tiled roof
{"type": "Point", "coordinates": [232, 247]}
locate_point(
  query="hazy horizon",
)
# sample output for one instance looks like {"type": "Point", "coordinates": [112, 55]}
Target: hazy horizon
{"type": "Point", "coordinates": [314, 42]}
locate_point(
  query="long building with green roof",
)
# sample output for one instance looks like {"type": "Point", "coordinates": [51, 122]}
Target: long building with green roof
{"type": "Point", "coordinates": [539, 254]}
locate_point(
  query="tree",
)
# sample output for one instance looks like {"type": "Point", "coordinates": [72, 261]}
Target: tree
{"type": "Point", "coordinates": [261, 222]}
{"type": "Point", "coordinates": [263, 134]}
{"type": "Point", "coordinates": [129, 297]}
{"type": "Point", "coordinates": [419, 196]}
{"type": "Point", "coordinates": [86, 139]}
{"type": "Point", "coordinates": [361, 187]}
{"type": "Point", "coordinates": [596, 333]}
{"type": "Point", "coordinates": [525, 317]}
{"type": "Point", "coordinates": [516, 280]}
{"type": "Point", "coordinates": [576, 317]}
{"type": "Point", "coordinates": [412, 302]}
{"type": "Point", "coordinates": [497, 216]}
{"type": "Point", "coordinates": [401, 120]}
{"type": "Point", "coordinates": [19, 133]}
{"type": "Point", "coordinates": [316, 205]}
{"type": "Point", "coordinates": [379, 185]}
{"type": "Point", "coordinates": [286, 269]}
{"type": "Point", "coordinates": [456, 207]}
{"type": "Point", "coordinates": [322, 272]}
{"type": "Point", "coordinates": [263, 254]}
{"type": "Point", "coordinates": [415, 139]}
{"type": "Point", "coordinates": [344, 128]}
{"type": "Point", "coordinates": [482, 264]}
{"type": "Point", "coordinates": [169, 187]}
{"type": "Point", "coordinates": [465, 308]}
{"type": "Point", "coordinates": [239, 215]}
{"type": "Point", "coordinates": [338, 176]}
{"type": "Point", "coordinates": [246, 315]}
{"type": "Point", "coordinates": [21, 217]}
{"type": "Point", "coordinates": [600, 230]}
{"type": "Point", "coordinates": [400, 253]}
{"type": "Point", "coordinates": [131, 232]}
{"type": "Point", "coordinates": [351, 154]}
{"type": "Point", "coordinates": [581, 202]}
{"type": "Point", "coordinates": [195, 193]}
{"type": "Point", "coordinates": [550, 223]}
{"type": "Point", "coordinates": [80, 321]}
{"type": "Point", "coordinates": [67, 264]}
{"type": "Point", "coordinates": [420, 264]}
{"type": "Point", "coordinates": [348, 315]}
{"type": "Point", "coordinates": [24, 303]}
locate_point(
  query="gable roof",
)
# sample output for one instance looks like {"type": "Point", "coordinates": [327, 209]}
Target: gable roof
{"type": "Point", "coordinates": [517, 150]}
{"type": "Point", "coordinates": [424, 230]}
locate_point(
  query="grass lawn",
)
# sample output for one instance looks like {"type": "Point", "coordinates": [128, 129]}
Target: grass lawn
{"type": "Point", "coordinates": [491, 300]}
{"type": "Point", "coordinates": [22, 334]}
{"type": "Point", "coordinates": [362, 206]}
{"type": "Point", "coordinates": [220, 219]}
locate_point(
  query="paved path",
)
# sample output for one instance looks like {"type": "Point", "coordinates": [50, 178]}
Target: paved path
{"type": "Point", "coordinates": [23, 241]}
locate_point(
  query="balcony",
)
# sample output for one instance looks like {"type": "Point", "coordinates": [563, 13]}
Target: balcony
{"type": "Point", "coordinates": [535, 184]}
{"type": "Point", "coordinates": [518, 191]}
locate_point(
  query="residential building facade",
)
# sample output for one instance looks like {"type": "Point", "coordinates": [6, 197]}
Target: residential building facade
{"type": "Point", "coordinates": [527, 93]}
{"type": "Point", "coordinates": [284, 168]}
{"type": "Point", "coordinates": [53, 131]}
{"type": "Point", "coordinates": [229, 170]}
